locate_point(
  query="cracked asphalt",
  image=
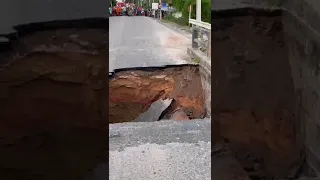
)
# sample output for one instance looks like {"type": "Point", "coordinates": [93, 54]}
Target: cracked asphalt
{"type": "Point", "coordinates": [142, 42]}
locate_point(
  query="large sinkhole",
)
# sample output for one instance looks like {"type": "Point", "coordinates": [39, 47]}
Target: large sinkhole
{"type": "Point", "coordinates": [53, 101]}
{"type": "Point", "coordinates": [133, 91]}
{"type": "Point", "coordinates": [255, 103]}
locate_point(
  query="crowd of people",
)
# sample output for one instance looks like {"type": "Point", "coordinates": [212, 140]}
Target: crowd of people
{"type": "Point", "coordinates": [123, 9]}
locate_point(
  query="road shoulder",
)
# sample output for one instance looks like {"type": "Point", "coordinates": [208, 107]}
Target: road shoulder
{"type": "Point", "coordinates": [182, 30]}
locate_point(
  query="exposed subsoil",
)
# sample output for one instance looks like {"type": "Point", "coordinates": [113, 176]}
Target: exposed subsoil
{"type": "Point", "coordinates": [131, 92]}
{"type": "Point", "coordinates": [53, 94]}
{"type": "Point", "coordinates": [254, 106]}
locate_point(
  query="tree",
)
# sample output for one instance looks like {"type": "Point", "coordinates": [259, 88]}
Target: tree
{"type": "Point", "coordinates": [183, 6]}
{"type": "Point", "coordinates": [113, 2]}
{"type": "Point", "coordinates": [178, 4]}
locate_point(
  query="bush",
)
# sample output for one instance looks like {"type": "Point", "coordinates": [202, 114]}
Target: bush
{"type": "Point", "coordinates": [181, 21]}
{"type": "Point", "coordinates": [183, 6]}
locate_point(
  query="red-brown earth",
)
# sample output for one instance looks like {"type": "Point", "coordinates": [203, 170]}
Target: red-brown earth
{"type": "Point", "coordinates": [132, 92]}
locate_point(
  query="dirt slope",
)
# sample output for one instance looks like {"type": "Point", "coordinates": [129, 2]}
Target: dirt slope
{"type": "Point", "coordinates": [253, 99]}
{"type": "Point", "coordinates": [53, 103]}
{"type": "Point", "coordinates": [132, 92]}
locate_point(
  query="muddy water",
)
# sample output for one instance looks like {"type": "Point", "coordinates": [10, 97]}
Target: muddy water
{"type": "Point", "coordinates": [53, 100]}
{"type": "Point", "coordinates": [132, 92]}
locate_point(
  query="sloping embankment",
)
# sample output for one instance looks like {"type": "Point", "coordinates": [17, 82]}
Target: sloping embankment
{"type": "Point", "coordinates": [254, 105]}
{"type": "Point", "coordinates": [53, 100]}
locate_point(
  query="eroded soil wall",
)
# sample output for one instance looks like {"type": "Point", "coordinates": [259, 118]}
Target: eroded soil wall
{"type": "Point", "coordinates": [303, 39]}
{"type": "Point", "coordinates": [254, 107]}
{"type": "Point", "coordinates": [131, 92]}
{"type": "Point", "coordinates": [53, 94]}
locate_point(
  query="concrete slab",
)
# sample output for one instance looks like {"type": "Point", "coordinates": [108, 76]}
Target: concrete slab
{"type": "Point", "coordinates": [162, 150]}
{"type": "Point", "coordinates": [155, 111]}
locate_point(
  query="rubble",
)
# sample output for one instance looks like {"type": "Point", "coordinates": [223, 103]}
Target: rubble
{"type": "Point", "coordinates": [179, 115]}
{"type": "Point", "coordinates": [154, 112]}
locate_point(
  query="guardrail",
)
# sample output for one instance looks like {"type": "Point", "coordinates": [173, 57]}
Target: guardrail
{"type": "Point", "coordinates": [200, 24]}
{"type": "Point", "coordinates": [201, 36]}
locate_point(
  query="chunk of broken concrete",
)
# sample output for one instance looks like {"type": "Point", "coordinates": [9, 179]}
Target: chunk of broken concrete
{"type": "Point", "coordinates": [155, 111]}
{"type": "Point", "coordinates": [179, 115]}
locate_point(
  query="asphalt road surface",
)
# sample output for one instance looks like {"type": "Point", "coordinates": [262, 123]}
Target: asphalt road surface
{"type": "Point", "coordinates": [142, 42]}
{"type": "Point", "coordinates": [162, 150]}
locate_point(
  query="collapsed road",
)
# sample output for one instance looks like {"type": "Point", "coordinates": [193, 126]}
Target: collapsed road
{"type": "Point", "coordinates": [54, 93]}
{"type": "Point", "coordinates": [157, 110]}
{"type": "Point", "coordinates": [146, 66]}
{"type": "Point", "coordinates": [54, 102]}
{"type": "Point", "coordinates": [133, 91]}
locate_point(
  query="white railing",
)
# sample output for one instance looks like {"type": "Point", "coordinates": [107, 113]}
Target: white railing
{"type": "Point", "coordinates": [201, 31]}
{"type": "Point", "coordinates": [201, 36]}
{"type": "Point", "coordinates": [202, 24]}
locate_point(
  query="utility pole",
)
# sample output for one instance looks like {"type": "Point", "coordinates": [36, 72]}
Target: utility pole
{"type": "Point", "coordinates": [198, 11]}
{"type": "Point", "coordinates": [160, 10]}
{"type": "Point", "coordinates": [190, 9]}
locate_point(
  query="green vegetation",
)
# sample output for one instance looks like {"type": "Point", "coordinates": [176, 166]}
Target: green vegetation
{"type": "Point", "coordinates": [183, 7]}
{"type": "Point", "coordinates": [196, 60]}
{"type": "Point", "coordinates": [181, 21]}
{"type": "Point", "coordinates": [113, 2]}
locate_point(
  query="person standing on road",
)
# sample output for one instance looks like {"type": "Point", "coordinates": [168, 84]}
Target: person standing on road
{"type": "Point", "coordinates": [124, 10]}
{"type": "Point", "coordinates": [139, 10]}
{"type": "Point", "coordinates": [118, 9]}
{"type": "Point", "coordinates": [135, 10]}
{"type": "Point", "coordinates": [130, 12]}
{"type": "Point", "coordinates": [153, 12]}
